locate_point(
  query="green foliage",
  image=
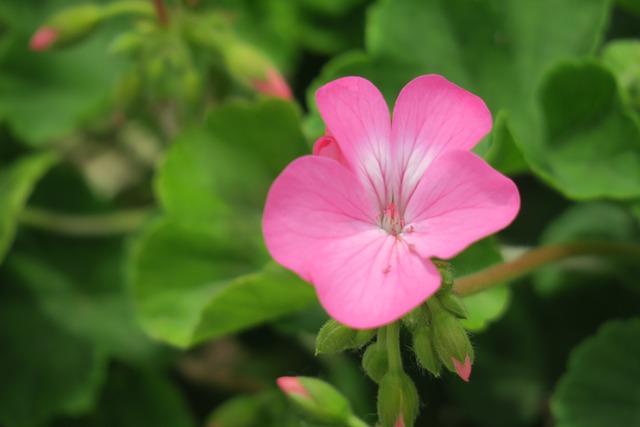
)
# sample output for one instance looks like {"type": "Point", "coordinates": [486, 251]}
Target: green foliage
{"type": "Point", "coordinates": [134, 170]}
{"type": "Point", "coordinates": [600, 386]}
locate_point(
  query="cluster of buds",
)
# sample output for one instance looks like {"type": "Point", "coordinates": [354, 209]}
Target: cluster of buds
{"type": "Point", "coordinates": [439, 340]}
{"type": "Point", "coordinates": [159, 53]}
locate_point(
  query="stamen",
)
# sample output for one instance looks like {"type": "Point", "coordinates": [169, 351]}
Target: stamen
{"type": "Point", "coordinates": [390, 220]}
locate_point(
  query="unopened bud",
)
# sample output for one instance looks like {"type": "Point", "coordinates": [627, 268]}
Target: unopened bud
{"type": "Point", "coordinates": [67, 27]}
{"type": "Point", "coordinates": [424, 351]}
{"type": "Point", "coordinates": [463, 369]}
{"type": "Point", "coordinates": [250, 66]}
{"type": "Point", "coordinates": [375, 361]}
{"type": "Point", "coordinates": [446, 271]}
{"type": "Point", "coordinates": [397, 398]}
{"type": "Point", "coordinates": [451, 342]}
{"type": "Point", "coordinates": [316, 399]}
{"type": "Point", "coordinates": [362, 337]}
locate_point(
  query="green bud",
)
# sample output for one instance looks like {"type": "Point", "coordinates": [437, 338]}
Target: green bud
{"type": "Point", "coordinates": [334, 338]}
{"type": "Point", "coordinates": [375, 361]}
{"type": "Point", "coordinates": [73, 24]}
{"type": "Point", "coordinates": [416, 318]}
{"type": "Point", "coordinates": [316, 399]}
{"type": "Point", "coordinates": [454, 305]}
{"type": "Point", "coordinates": [397, 396]}
{"type": "Point", "coordinates": [450, 340]}
{"type": "Point", "coordinates": [424, 351]}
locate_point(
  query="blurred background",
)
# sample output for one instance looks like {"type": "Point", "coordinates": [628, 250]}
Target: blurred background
{"type": "Point", "coordinates": [138, 139]}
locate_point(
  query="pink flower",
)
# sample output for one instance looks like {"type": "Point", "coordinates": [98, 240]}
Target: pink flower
{"type": "Point", "coordinates": [463, 369]}
{"type": "Point", "coordinates": [43, 39]}
{"type": "Point", "coordinates": [361, 218]}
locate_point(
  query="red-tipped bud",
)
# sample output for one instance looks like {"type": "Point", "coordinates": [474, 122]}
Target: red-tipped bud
{"type": "Point", "coordinates": [292, 385]}
{"type": "Point", "coordinates": [399, 422]}
{"type": "Point", "coordinates": [273, 85]}
{"type": "Point", "coordinates": [43, 39]}
{"type": "Point", "coordinates": [463, 369]}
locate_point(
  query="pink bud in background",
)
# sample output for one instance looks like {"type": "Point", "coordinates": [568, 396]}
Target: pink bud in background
{"type": "Point", "coordinates": [463, 369]}
{"type": "Point", "coordinates": [43, 39]}
{"type": "Point", "coordinates": [273, 85]}
{"type": "Point", "coordinates": [292, 385]}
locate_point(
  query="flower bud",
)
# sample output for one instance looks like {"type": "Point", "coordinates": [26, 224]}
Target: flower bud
{"type": "Point", "coordinates": [251, 67]}
{"type": "Point", "coordinates": [397, 398]}
{"type": "Point", "coordinates": [67, 27]}
{"type": "Point", "coordinates": [362, 337]}
{"type": "Point", "coordinates": [316, 399]}
{"type": "Point", "coordinates": [452, 344]}
{"type": "Point", "coordinates": [334, 337]}
{"type": "Point", "coordinates": [446, 271]}
{"type": "Point", "coordinates": [375, 361]}
{"type": "Point", "coordinates": [424, 351]}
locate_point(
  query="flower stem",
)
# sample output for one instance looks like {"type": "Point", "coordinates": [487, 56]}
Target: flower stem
{"type": "Point", "coordinates": [536, 258]}
{"type": "Point", "coordinates": [161, 11]}
{"type": "Point", "coordinates": [354, 421]}
{"type": "Point", "coordinates": [86, 225]}
{"type": "Point", "coordinates": [393, 346]}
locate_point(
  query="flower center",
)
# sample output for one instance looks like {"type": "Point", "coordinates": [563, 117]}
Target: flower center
{"type": "Point", "coordinates": [390, 220]}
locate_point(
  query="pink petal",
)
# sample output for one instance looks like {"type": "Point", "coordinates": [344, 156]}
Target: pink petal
{"type": "Point", "coordinates": [292, 385]}
{"type": "Point", "coordinates": [328, 147]}
{"type": "Point", "coordinates": [357, 116]}
{"type": "Point", "coordinates": [463, 369]}
{"type": "Point", "coordinates": [459, 200]}
{"type": "Point", "coordinates": [431, 116]}
{"type": "Point", "coordinates": [314, 201]}
{"type": "Point", "coordinates": [399, 422]}
{"type": "Point", "coordinates": [371, 279]}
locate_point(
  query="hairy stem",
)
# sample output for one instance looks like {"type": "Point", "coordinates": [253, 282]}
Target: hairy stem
{"type": "Point", "coordinates": [85, 225]}
{"type": "Point", "coordinates": [393, 346]}
{"type": "Point", "coordinates": [536, 258]}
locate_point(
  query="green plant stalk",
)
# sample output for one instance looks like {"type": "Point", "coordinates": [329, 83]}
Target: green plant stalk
{"type": "Point", "coordinates": [393, 346]}
{"type": "Point", "coordinates": [86, 225]}
{"type": "Point", "coordinates": [354, 421]}
{"type": "Point", "coordinates": [536, 258]}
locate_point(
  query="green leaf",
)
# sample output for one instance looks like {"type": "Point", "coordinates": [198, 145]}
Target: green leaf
{"type": "Point", "coordinates": [601, 384]}
{"type": "Point", "coordinates": [589, 222]}
{"type": "Point", "coordinates": [16, 184]}
{"type": "Point", "coordinates": [192, 284]}
{"type": "Point", "coordinates": [489, 305]}
{"type": "Point", "coordinates": [44, 369]}
{"type": "Point", "coordinates": [227, 166]}
{"type": "Point", "coordinates": [203, 271]}
{"type": "Point", "coordinates": [498, 50]}
{"type": "Point", "coordinates": [592, 144]}
{"type": "Point", "coordinates": [46, 95]}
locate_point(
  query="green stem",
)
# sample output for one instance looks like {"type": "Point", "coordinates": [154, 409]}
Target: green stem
{"type": "Point", "coordinates": [536, 258]}
{"type": "Point", "coordinates": [83, 225]}
{"type": "Point", "coordinates": [137, 7]}
{"type": "Point", "coordinates": [393, 346]}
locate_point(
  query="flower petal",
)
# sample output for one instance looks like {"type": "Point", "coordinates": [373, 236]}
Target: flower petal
{"type": "Point", "coordinates": [357, 116]}
{"type": "Point", "coordinates": [313, 201]}
{"type": "Point", "coordinates": [371, 279]}
{"type": "Point", "coordinates": [459, 200]}
{"type": "Point", "coordinates": [431, 116]}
